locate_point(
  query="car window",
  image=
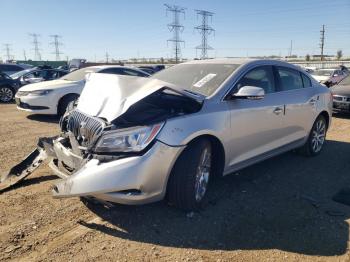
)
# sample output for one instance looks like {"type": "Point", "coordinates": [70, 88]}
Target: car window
{"type": "Point", "coordinates": [116, 71]}
{"type": "Point", "coordinates": [261, 76]}
{"type": "Point", "coordinates": [306, 81]}
{"type": "Point", "coordinates": [289, 79]}
{"type": "Point", "coordinates": [131, 72]}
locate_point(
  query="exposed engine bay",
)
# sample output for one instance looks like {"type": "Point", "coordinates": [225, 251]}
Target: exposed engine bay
{"type": "Point", "coordinates": [81, 132]}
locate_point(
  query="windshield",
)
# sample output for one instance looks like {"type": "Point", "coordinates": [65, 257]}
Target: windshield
{"type": "Point", "coordinates": [346, 81]}
{"type": "Point", "coordinates": [323, 73]}
{"type": "Point", "coordinates": [204, 79]}
{"type": "Point", "coordinates": [80, 74]}
{"type": "Point", "coordinates": [20, 73]}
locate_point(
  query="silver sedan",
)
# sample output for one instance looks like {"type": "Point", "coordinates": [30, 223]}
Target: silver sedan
{"type": "Point", "coordinates": [134, 140]}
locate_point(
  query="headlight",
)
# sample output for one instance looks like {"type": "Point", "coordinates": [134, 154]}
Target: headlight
{"type": "Point", "coordinates": [128, 140]}
{"type": "Point", "coordinates": [39, 92]}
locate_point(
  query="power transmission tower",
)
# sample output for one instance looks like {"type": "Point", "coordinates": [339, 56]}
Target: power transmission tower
{"type": "Point", "coordinates": [176, 28]}
{"type": "Point", "coordinates": [107, 57]}
{"type": "Point", "coordinates": [24, 55]}
{"type": "Point", "coordinates": [56, 43]}
{"type": "Point", "coordinates": [204, 30]}
{"type": "Point", "coordinates": [36, 43]}
{"type": "Point", "coordinates": [322, 41]}
{"type": "Point", "coordinates": [7, 48]}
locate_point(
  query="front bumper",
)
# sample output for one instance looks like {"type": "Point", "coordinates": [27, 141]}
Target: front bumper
{"type": "Point", "coordinates": [37, 104]}
{"type": "Point", "coordinates": [131, 180]}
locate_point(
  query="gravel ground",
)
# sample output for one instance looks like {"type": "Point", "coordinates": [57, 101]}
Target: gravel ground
{"type": "Point", "coordinates": [280, 209]}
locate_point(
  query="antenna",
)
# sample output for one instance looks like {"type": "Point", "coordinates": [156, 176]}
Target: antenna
{"type": "Point", "coordinates": [36, 43]}
{"type": "Point", "coordinates": [176, 28]}
{"type": "Point", "coordinates": [204, 30]}
{"type": "Point", "coordinates": [57, 45]}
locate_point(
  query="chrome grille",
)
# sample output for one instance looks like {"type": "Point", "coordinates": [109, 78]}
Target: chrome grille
{"type": "Point", "coordinates": [85, 128]}
{"type": "Point", "coordinates": [341, 98]}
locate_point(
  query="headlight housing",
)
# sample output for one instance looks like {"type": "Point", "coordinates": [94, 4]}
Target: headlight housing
{"type": "Point", "coordinates": [128, 140]}
{"type": "Point", "coordinates": [40, 92]}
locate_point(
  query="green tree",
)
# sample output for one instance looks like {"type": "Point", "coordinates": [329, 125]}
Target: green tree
{"type": "Point", "coordinates": [307, 57]}
{"type": "Point", "coordinates": [339, 54]}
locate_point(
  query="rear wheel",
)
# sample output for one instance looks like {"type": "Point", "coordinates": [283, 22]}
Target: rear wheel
{"type": "Point", "coordinates": [189, 178]}
{"type": "Point", "coordinates": [6, 94]}
{"type": "Point", "coordinates": [317, 137]}
{"type": "Point", "coordinates": [65, 102]}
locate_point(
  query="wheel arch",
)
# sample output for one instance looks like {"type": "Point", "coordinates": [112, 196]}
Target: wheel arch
{"type": "Point", "coordinates": [63, 97]}
{"type": "Point", "coordinates": [326, 115]}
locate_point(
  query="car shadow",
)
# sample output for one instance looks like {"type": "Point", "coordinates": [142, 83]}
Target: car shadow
{"type": "Point", "coordinates": [29, 182]}
{"type": "Point", "coordinates": [341, 115]}
{"type": "Point", "coordinates": [282, 203]}
{"type": "Point", "coordinates": [44, 118]}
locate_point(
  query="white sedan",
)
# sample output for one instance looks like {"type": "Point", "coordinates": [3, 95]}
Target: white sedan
{"type": "Point", "coordinates": [53, 97]}
{"type": "Point", "coordinates": [329, 77]}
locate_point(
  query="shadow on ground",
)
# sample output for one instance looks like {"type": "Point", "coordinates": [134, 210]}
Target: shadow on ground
{"type": "Point", "coordinates": [282, 203]}
{"type": "Point", "coordinates": [44, 118]}
{"type": "Point", "coordinates": [28, 182]}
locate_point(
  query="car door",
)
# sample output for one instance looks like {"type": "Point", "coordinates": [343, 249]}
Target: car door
{"type": "Point", "coordinates": [300, 101]}
{"type": "Point", "coordinates": [256, 125]}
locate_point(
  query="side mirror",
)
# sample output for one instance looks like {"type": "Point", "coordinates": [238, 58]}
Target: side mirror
{"type": "Point", "coordinates": [249, 92]}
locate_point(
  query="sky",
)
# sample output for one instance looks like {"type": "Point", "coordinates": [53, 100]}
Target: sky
{"type": "Point", "coordinates": [138, 28]}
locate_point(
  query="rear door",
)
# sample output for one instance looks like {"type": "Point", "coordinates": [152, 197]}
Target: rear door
{"type": "Point", "coordinates": [300, 100]}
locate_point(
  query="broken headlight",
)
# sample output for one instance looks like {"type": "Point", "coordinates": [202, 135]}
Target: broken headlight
{"type": "Point", "coordinates": [128, 140]}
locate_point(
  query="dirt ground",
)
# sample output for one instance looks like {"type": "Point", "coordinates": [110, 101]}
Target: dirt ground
{"type": "Point", "coordinates": [280, 209]}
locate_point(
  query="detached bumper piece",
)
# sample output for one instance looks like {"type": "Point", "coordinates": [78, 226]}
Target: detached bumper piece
{"type": "Point", "coordinates": [27, 165]}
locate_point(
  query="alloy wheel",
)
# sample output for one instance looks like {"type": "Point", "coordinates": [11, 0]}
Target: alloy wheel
{"type": "Point", "coordinates": [203, 173]}
{"type": "Point", "coordinates": [6, 94]}
{"type": "Point", "coordinates": [318, 135]}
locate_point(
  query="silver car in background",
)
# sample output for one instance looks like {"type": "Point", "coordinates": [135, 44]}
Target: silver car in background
{"type": "Point", "coordinates": [139, 140]}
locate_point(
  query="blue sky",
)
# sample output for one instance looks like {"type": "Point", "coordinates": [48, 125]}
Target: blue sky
{"type": "Point", "coordinates": [138, 28]}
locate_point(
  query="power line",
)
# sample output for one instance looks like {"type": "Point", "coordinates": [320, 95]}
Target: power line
{"type": "Point", "coordinates": [176, 28]}
{"type": "Point", "coordinates": [322, 41]}
{"type": "Point", "coordinates": [57, 45]}
{"type": "Point", "coordinates": [7, 48]}
{"type": "Point", "coordinates": [36, 43]}
{"type": "Point", "coordinates": [204, 30]}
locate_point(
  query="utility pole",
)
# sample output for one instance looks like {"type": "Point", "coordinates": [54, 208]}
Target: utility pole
{"type": "Point", "coordinates": [176, 28]}
{"type": "Point", "coordinates": [24, 55]}
{"type": "Point", "coordinates": [7, 48]}
{"type": "Point", "coordinates": [56, 43]}
{"type": "Point", "coordinates": [107, 57]}
{"type": "Point", "coordinates": [291, 49]}
{"type": "Point", "coordinates": [36, 43]}
{"type": "Point", "coordinates": [204, 30]}
{"type": "Point", "coordinates": [322, 41]}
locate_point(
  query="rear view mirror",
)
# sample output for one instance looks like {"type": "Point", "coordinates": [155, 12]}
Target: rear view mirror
{"type": "Point", "coordinates": [250, 92]}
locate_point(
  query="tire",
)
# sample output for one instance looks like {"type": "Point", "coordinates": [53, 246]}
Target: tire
{"type": "Point", "coordinates": [316, 139]}
{"type": "Point", "coordinates": [190, 175]}
{"type": "Point", "coordinates": [64, 103]}
{"type": "Point", "coordinates": [6, 94]}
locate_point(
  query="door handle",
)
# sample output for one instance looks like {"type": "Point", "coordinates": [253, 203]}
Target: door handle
{"type": "Point", "coordinates": [278, 110]}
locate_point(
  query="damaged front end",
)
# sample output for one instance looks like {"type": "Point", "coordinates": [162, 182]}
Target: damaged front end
{"type": "Point", "coordinates": [108, 147]}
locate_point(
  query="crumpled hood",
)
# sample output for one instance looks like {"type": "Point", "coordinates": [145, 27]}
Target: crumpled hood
{"type": "Point", "coordinates": [53, 84]}
{"type": "Point", "coordinates": [321, 78]}
{"type": "Point", "coordinates": [109, 96]}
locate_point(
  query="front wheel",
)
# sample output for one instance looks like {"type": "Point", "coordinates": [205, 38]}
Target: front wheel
{"type": "Point", "coordinates": [317, 137]}
{"type": "Point", "coordinates": [6, 94]}
{"type": "Point", "coordinates": [189, 178]}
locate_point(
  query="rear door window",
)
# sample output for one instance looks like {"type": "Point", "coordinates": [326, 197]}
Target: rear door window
{"type": "Point", "coordinates": [289, 79]}
{"type": "Point", "coordinates": [306, 80]}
